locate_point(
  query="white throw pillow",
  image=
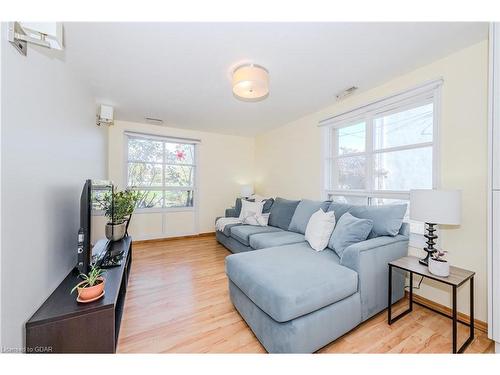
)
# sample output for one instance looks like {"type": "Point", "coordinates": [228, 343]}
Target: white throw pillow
{"type": "Point", "coordinates": [260, 220]}
{"type": "Point", "coordinates": [250, 209]}
{"type": "Point", "coordinates": [319, 229]}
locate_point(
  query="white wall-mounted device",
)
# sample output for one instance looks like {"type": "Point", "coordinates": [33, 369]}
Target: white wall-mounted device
{"type": "Point", "coordinates": [46, 34]}
{"type": "Point", "coordinates": [104, 115]}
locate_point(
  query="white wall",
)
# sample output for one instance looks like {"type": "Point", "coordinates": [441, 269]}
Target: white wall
{"type": "Point", "coordinates": [1, 49]}
{"type": "Point", "coordinates": [224, 163]}
{"type": "Point", "coordinates": [49, 145]}
{"type": "Point", "coordinates": [288, 159]}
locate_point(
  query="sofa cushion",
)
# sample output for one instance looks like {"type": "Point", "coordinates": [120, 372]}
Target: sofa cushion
{"type": "Point", "coordinates": [268, 204]}
{"type": "Point", "coordinates": [282, 212]}
{"type": "Point", "coordinates": [263, 240]}
{"type": "Point", "coordinates": [227, 228]}
{"type": "Point", "coordinates": [242, 233]}
{"type": "Point", "coordinates": [349, 230]}
{"type": "Point", "coordinates": [290, 281]}
{"type": "Point", "coordinates": [303, 213]}
{"type": "Point", "coordinates": [387, 219]}
{"type": "Point", "coordinates": [339, 209]}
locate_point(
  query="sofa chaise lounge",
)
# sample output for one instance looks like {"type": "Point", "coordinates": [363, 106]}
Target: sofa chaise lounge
{"type": "Point", "coordinates": [297, 300]}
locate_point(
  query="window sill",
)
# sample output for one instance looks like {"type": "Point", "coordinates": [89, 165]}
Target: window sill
{"type": "Point", "coordinates": [163, 210]}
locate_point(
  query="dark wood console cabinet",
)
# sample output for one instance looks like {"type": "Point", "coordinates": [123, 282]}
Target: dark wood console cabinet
{"type": "Point", "coordinates": [62, 325]}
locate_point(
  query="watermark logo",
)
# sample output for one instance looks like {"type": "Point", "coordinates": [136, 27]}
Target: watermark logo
{"type": "Point", "coordinates": [34, 349]}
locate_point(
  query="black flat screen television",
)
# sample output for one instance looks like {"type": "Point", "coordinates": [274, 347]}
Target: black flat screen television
{"type": "Point", "coordinates": [90, 207]}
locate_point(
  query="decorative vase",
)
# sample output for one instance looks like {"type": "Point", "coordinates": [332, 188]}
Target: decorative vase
{"type": "Point", "coordinates": [115, 232]}
{"type": "Point", "coordinates": [439, 267]}
{"type": "Point", "coordinates": [91, 292]}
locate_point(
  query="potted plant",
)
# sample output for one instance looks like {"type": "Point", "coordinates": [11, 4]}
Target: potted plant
{"type": "Point", "coordinates": [118, 207]}
{"type": "Point", "coordinates": [92, 286]}
{"type": "Point", "coordinates": [438, 265]}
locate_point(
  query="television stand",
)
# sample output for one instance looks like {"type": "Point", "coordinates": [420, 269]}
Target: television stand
{"type": "Point", "coordinates": [62, 325]}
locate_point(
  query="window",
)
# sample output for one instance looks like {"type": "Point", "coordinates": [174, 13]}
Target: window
{"type": "Point", "coordinates": [162, 169]}
{"type": "Point", "coordinates": [375, 154]}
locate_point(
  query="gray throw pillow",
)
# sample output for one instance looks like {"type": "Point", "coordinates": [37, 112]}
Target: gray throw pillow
{"type": "Point", "coordinates": [349, 230]}
{"type": "Point", "coordinates": [267, 205]}
{"type": "Point", "coordinates": [339, 209]}
{"type": "Point", "coordinates": [387, 219]}
{"type": "Point", "coordinates": [282, 212]}
{"type": "Point", "coordinates": [305, 209]}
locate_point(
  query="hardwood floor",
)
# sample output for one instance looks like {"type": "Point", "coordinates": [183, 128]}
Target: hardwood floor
{"type": "Point", "coordinates": [177, 302]}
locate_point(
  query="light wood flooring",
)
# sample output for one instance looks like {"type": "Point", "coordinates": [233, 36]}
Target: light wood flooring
{"type": "Point", "coordinates": [177, 302]}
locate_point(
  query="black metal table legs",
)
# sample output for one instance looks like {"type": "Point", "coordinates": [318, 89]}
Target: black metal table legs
{"type": "Point", "coordinates": [391, 320]}
{"type": "Point", "coordinates": [453, 317]}
{"type": "Point", "coordinates": [455, 320]}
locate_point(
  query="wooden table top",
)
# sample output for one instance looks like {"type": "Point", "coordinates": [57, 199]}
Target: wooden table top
{"type": "Point", "coordinates": [457, 276]}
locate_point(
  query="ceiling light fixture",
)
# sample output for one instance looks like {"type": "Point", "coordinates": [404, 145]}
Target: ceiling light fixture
{"type": "Point", "coordinates": [250, 82]}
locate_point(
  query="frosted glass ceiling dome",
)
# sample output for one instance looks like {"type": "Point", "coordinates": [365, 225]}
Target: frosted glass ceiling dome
{"type": "Point", "coordinates": [250, 82]}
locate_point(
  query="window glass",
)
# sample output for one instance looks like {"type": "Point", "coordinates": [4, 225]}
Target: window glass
{"type": "Point", "coordinates": [381, 158]}
{"type": "Point", "coordinates": [163, 171]}
{"type": "Point", "coordinates": [404, 128]}
{"type": "Point", "coordinates": [178, 153]}
{"type": "Point", "coordinates": [142, 174]}
{"type": "Point", "coordinates": [404, 170]}
{"type": "Point", "coordinates": [351, 139]}
{"type": "Point", "coordinates": [351, 172]}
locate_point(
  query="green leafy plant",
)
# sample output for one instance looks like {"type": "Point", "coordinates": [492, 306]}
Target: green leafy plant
{"type": "Point", "coordinates": [118, 206]}
{"type": "Point", "coordinates": [90, 279]}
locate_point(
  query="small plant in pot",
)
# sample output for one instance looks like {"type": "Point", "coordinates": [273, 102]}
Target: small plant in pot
{"type": "Point", "coordinates": [92, 286]}
{"type": "Point", "coordinates": [438, 265]}
{"type": "Point", "coordinates": [118, 207]}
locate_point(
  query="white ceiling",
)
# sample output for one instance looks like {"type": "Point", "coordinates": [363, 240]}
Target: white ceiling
{"type": "Point", "coordinates": [180, 72]}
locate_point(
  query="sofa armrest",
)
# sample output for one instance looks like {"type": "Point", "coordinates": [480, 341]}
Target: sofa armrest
{"type": "Point", "coordinates": [369, 259]}
{"type": "Point", "coordinates": [231, 212]}
{"type": "Point", "coordinates": [352, 254]}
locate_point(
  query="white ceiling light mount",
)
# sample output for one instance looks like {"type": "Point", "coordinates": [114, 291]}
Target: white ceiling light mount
{"type": "Point", "coordinates": [250, 82]}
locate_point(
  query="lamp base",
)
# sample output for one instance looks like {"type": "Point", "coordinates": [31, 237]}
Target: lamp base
{"type": "Point", "coordinates": [431, 241]}
{"type": "Point", "coordinates": [425, 261]}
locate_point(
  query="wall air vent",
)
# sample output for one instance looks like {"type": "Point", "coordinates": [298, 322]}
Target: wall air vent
{"type": "Point", "coordinates": [345, 93]}
{"type": "Point", "coordinates": [155, 121]}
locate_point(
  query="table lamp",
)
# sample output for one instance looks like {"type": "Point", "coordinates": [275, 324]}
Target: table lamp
{"type": "Point", "coordinates": [434, 207]}
{"type": "Point", "coordinates": [246, 191]}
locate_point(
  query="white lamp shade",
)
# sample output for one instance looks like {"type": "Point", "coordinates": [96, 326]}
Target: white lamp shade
{"type": "Point", "coordinates": [246, 190]}
{"type": "Point", "coordinates": [250, 82]}
{"type": "Point", "coordinates": [436, 206]}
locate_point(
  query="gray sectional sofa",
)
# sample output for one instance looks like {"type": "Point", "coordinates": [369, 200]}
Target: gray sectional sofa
{"type": "Point", "coordinates": [297, 300]}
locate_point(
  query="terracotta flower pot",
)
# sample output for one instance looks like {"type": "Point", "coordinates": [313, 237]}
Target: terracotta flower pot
{"type": "Point", "coordinates": [91, 292]}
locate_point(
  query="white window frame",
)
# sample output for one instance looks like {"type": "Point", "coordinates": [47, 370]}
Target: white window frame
{"type": "Point", "coordinates": [429, 92]}
{"type": "Point", "coordinates": [165, 139]}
